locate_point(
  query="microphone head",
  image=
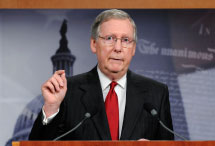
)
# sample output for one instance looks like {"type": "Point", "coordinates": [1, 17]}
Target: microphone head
{"type": "Point", "coordinates": [154, 112]}
{"type": "Point", "coordinates": [151, 109]}
{"type": "Point", "coordinates": [87, 115]}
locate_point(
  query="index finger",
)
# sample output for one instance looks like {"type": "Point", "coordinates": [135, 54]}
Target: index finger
{"type": "Point", "coordinates": [59, 72]}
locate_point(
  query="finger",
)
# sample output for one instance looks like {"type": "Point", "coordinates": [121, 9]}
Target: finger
{"type": "Point", "coordinates": [63, 76]}
{"type": "Point", "coordinates": [48, 85]}
{"type": "Point", "coordinates": [59, 72]}
{"type": "Point", "coordinates": [55, 84]}
{"type": "Point", "coordinates": [59, 79]}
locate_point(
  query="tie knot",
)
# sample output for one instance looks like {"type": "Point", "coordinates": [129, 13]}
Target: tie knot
{"type": "Point", "coordinates": [113, 84]}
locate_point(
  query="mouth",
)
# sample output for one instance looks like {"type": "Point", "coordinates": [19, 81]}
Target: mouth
{"type": "Point", "coordinates": [116, 59]}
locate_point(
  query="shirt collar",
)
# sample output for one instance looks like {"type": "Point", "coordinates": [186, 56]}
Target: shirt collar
{"type": "Point", "coordinates": [105, 81]}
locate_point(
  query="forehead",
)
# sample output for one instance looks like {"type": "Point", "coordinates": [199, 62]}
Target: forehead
{"type": "Point", "coordinates": [117, 27]}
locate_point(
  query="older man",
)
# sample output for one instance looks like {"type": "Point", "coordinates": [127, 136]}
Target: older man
{"type": "Point", "coordinates": [112, 94]}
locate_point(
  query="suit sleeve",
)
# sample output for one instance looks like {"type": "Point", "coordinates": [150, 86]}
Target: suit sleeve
{"type": "Point", "coordinates": [50, 131]}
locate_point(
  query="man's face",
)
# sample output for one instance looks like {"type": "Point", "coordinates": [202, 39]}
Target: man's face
{"type": "Point", "coordinates": [115, 58]}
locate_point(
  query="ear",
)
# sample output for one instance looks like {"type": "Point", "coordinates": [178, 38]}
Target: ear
{"type": "Point", "coordinates": [93, 45]}
{"type": "Point", "coordinates": [134, 49]}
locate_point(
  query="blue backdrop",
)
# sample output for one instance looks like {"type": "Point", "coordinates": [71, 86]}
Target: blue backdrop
{"type": "Point", "coordinates": [176, 47]}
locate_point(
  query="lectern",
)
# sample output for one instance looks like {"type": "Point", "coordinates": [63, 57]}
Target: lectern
{"type": "Point", "coordinates": [114, 143]}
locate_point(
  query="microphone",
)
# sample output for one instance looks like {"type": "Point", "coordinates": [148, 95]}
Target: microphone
{"type": "Point", "coordinates": [86, 116]}
{"type": "Point", "coordinates": [152, 110]}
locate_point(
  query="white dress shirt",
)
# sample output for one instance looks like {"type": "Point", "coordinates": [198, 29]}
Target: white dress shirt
{"type": "Point", "coordinates": [120, 90]}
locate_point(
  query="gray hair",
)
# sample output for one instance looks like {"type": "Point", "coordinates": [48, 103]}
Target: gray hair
{"type": "Point", "coordinates": [107, 15]}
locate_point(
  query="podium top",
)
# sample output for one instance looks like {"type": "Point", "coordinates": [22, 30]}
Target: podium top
{"type": "Point", "coordinates": [114, 143]}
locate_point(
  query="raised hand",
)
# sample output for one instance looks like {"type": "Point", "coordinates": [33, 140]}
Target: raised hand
{"type": "Point", "coordinates": [54, 91]}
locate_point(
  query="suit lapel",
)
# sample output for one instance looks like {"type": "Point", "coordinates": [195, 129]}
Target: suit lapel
{"type": "Point", "coordinates": [134, 105]}
{"type": "Point", "coordinates": [93, 102]}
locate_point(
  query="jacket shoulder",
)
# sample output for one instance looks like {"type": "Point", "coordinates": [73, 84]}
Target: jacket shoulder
{"type": "Point", "coordinates": [143, 80]}
{"type": "Point", "coordinates": [77, 78]}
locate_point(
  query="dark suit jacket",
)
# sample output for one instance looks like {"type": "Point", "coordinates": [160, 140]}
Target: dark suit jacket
{"type": "Point", "coordinates": [84, 94]}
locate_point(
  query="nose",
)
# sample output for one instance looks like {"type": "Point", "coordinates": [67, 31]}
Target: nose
{"type": "Point", "coordinates": [118, 45]}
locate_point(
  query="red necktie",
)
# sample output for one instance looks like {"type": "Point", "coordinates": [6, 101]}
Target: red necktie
{"type": "Point", "coordinates": [112, 111]}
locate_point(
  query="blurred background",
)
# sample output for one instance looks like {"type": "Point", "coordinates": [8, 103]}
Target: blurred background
{"type": "Point", "coordinates": [176, 47]}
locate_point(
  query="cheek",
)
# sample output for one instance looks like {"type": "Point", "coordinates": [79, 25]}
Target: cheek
{"type": "Point", "coordinates": [104, 53]}
{"type": "Point", "coordinates": [129, 55]}
{"type": "Point", "coordinates": [102, 56]}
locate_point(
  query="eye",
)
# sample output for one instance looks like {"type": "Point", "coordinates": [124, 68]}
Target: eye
{"type": "Point", "coordinates": [125, 40]}
{"type": "Point", "coordinates": [109, 38]}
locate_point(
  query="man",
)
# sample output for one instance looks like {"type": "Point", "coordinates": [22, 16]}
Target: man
{"type": "Point", "coordinates": [112, 94]}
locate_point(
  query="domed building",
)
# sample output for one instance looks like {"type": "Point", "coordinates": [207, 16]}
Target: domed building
{"type": "Point", "coordinates": [62, 60]}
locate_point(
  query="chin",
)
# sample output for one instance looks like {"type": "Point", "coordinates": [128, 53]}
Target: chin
{"type": "Point", "coordinates": [116, 70]}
